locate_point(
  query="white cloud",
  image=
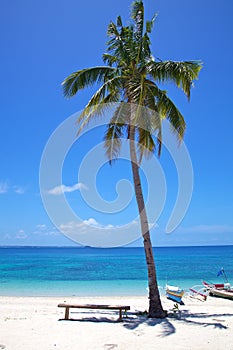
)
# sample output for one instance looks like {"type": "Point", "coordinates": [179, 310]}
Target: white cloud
{"type": "Point", "coordinates": [43, 230]}
{"type": "Point", "coordinates": [6, 187]}
{"type": "Point", "coordinates": [88, 224]}
{"type": "Point", "coordinates": [92, 222]}
{"type": "Point", "coordinates": [92, 233]}
{"type": "Point", "coordinates": [3, 187]}
{"type": "Point", "coordinates": [58, 190]}
{"type": "Point", "coordinates": [19, 190]}
{"type": "Point", "coordinates": [41, 226]}
{"type": "Point", "coordinates": [21, 234]}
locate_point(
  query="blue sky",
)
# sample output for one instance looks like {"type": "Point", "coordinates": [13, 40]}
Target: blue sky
{"type": "Point", "coordinates": [44, 41]}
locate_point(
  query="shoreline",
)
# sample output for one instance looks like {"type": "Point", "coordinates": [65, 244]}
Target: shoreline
{"type": "Point", "coordinates": [33, 323]}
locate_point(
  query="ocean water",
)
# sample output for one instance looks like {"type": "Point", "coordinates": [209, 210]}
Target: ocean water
{"type": "Point", "coordinates": [40, 271]}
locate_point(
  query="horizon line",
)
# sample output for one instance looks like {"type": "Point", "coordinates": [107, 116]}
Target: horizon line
{"type": "Point", "coordinates": [90, 247]}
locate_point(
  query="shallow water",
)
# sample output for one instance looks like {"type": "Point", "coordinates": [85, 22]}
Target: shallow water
{"type": "Point", "coordinates": [39, 271]}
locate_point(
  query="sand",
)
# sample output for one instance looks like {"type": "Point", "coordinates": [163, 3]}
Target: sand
{"type": "Point", "coordinates": [33, 323]}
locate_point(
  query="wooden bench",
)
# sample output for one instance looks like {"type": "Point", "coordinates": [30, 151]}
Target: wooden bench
{"type": "Point", "coordinates": [94, 306]}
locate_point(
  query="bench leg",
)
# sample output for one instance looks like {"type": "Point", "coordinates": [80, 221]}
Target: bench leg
{"type": "Point", "coordinates": [120, 315]}
{"type": "Point", "coordinates": [67, 313]}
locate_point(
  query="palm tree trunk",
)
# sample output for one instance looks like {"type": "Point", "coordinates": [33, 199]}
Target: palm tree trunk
{"type": "Point", "coordinates": [155, 306]}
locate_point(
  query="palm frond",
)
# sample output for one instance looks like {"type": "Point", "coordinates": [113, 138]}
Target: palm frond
{"type": "Point", "coordinates": [168, 110]}
{"type": "Point", "coordinates": [110, 59]}
{"type": "Point", "coordinates": [115, 131]}
{"type": "Point", "coordinates": [112, 30]}
{"type": "Point", "coordinates": [112, 141]}
{"type": "Point", "coordinates": [122, 114]}
{"type": "Point", "coordinates": [120, 43]}
{"type": "Point", "coordinates": [101, 101]}
{"type": "Point", "coordinates": [146, 52]}
{"type": "Point", "coordinates": [112, 85]}
{"type": "Point", "coordinates": [181, 73]}
{"type": "Point", "coordinates": [156, 120]}
{"type": "Point", "coordinates": [119, 22]}
{"type": "Point", "coordinates": [94, 110]}
{"type": "Point", "coordinates": [137, 15]}
{"type": "Point", "coordinates": [150, 24]}
{"type": "Point", "coordinates": [134, 89]}
{"type": "Point", "coordinates": [84, 78]}
{"type": "Point", "coordinates": [148, 124]}
{"type": "Point", "coordinates": [159, 141]}
{"type": "Point", "coordinates": [146, 144]}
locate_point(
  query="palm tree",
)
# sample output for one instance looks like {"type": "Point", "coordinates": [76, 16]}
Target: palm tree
{"type": "Point", "coordinates": [132, 76]}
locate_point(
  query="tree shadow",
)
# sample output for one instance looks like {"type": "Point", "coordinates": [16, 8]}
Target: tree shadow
{"type": "Point", "coordinates": [133, 320]}
{"type": "Point", "coordinates": [169, 323]}
{"type": "Point", "coordinates": [203, 319]}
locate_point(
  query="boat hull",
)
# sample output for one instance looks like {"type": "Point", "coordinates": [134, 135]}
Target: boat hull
{"type": "Point", "coordinates": [213, 285]}
{"type": "Point", "coordinates": [175, 294]}
{"type": "Point", "coordinates": [226, 294]}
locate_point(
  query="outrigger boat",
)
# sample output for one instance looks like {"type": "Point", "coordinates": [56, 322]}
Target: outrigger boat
{"type": "Point", "coordinates": [174, 293]}
{"type": "Point", "coordinates": [220, 290]}
{"type": "Point", "coordinates": [199, 292]}
{"type": "Point", "coordinates": [218, 286]}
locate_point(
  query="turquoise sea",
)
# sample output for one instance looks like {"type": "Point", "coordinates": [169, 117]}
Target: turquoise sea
{"type": "Point", "coordinates": [40, 271]}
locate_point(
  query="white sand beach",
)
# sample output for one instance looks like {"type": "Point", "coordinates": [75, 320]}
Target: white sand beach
{"type": "Point", "coordinates": [31, 323]}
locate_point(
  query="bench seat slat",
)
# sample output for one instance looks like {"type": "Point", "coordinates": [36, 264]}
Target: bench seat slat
{"type": "Point", "coordinates": [94, 306]}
